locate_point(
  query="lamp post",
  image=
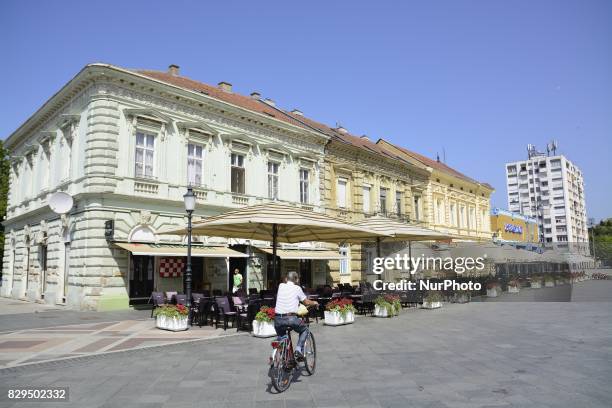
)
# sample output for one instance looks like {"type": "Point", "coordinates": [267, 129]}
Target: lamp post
{"type": "Point", "coordinates": [190, 201]}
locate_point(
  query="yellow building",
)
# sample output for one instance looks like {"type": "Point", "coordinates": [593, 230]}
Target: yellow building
{"type": "Point", "coordinates": [451, 202]}
{"type": "Point", "coordinates": [508, 226]}
{"type": "Point", "coordinates": [362, 179]}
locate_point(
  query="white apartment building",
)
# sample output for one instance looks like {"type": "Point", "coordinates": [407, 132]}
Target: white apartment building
{"type": "Point", "coordinates": [126, 144]}
{"type": "Point", "coordinates": [550, 189]}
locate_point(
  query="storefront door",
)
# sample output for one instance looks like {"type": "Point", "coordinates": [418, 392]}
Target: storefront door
{"type": "Point", "coordinates": [141, 277]}
{"type": "Point", "coordinates": [197, 273]}
{"type": "Point", "coordinates": [240, 264]}
{"type": "Point", "coordinates": [306, 272]}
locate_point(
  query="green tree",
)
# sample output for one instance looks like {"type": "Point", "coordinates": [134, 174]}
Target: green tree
{"type": "Point", "coordinates": [4, 188]}
{"type": "Point", "coordinates": [601, 235]}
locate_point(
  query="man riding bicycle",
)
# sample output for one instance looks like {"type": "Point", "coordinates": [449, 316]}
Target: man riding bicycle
{"type": "Point", "coordinates": [288, 299]}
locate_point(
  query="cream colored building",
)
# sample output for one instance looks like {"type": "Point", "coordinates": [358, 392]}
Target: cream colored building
{"type": "Point", "coordinates": [126, 144]}
{"type": "Point", "coordinates": [452, 202]}
{"type": "Point", "coordinates": [361, 179]}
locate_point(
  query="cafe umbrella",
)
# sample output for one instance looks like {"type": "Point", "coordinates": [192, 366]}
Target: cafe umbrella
{"type": "Point", "coordinates": [392, 230]}
{"type": "Point", "coordinates": [279, 223]}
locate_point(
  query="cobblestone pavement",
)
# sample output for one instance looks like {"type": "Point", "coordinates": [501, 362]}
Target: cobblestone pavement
{"type": "Point", "coordinates": [20, 315]}
{"type": "Point", "coordinates": [59, 342]}
{"type": "Point", "coordinates": [482, 354]}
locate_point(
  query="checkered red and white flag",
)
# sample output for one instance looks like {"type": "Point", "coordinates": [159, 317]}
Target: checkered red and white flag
{"type": "Point", "coordinates": [171, 267]}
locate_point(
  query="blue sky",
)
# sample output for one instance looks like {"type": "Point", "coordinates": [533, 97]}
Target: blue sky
{"type": "Point", "coordinates": [479, 79]}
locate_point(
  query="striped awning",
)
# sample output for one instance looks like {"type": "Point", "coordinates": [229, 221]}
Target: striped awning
{"type": "Point", "coordinates": [304, 254]}
{"type": "Point", "coordinates": [293, 225]}
{"type": "Point", "coordinates": [179, 250]}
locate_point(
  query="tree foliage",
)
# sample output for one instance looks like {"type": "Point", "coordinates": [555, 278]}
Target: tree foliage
{"type": "Point", "coordinates": [601, 234]}
{"type": "Point", "coordinates": [4, 188]}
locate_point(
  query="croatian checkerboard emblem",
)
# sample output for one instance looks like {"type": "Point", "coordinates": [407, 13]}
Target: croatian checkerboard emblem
{"type": "Point", "coordinates": [171, 267]}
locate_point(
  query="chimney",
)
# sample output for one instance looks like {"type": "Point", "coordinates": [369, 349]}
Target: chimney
{"type": "Point", "coordinates": [340, 129]}
{"type": "Point", "coordinates": [173, 69]}
{"type": "Point", "coordinates": [270, 102]}
{"type": "Point", "coordinates": [297, 112]}
{"type": "Point", "coordinates": [225, 86]}
{"type": "Point", "coordinates": [256, 95]}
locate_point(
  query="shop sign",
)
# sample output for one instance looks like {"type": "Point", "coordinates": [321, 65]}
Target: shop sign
{"type": "Point", "coordinates": [515, 229]}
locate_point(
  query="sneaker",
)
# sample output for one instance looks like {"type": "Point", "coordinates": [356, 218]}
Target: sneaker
{"type": "Point", "coordinates": [298, 355]}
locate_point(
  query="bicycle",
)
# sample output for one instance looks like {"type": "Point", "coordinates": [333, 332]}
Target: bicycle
{"type": "Point", "coordinates": [283, 362]}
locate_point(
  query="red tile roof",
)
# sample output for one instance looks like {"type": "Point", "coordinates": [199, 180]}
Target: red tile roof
{"type": "Point", "coordinates": [259, 106]}
{"type": "Point", "coordinates": [245, 102]}
{"type": "Point", "coordinates": [435, 164]}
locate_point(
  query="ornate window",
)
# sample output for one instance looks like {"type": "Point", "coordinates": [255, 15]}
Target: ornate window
{"type": "Point", "coordinates": [304, 186]}
{"type": "Point", "coordinates": [367, 207]}
{"type": "Point", "coordinates": [398, 203]}
{"type": "Point", "coordinates": [341, 193]}
{"type": "Point", "coordinates": [144, 155]}
{"type": "Point", "coordinates": [345, 266]}
{"type": "Point", "coordinates": [238, 173]}
{"type": "Point", "coordinates": [417, 207]}
{"type": "Point", "coordinates": [195, 161]}
{"type": "Point", "coordinates": [383, 200]}
{"type": "Point", "coordinates": [273, 180]}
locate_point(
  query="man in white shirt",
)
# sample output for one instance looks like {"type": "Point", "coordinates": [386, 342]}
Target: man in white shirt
{"type": "Point", "coordinates": [288, 300]}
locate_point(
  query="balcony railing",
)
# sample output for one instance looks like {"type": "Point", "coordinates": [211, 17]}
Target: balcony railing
{"type": "Point", "coordinates": [143, 187]}
{"type": "Point", "coordinates": [240, 199]}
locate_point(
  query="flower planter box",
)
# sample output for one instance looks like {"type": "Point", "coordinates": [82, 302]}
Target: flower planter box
{"type": "Point", "coordinates": [431, 305]}
{"type": "Point", "coordinates": [382, 312]}
{"type": "Point", "coordinates": [549, 284]}
{"type": "Point", "coordinates": [513, 289]}
{"type": "Point", "coordinates": [172, 324]}
{"type": "Point", "coordinates": [263, 329]}
{"type": "Point", "coordinates": [336, 318]}
{"type": "Point", "coordinates": [536, 285]}
{"type": "Point", "coordinates": [492, 292]}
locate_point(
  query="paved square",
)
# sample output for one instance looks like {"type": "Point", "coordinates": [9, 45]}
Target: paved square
{"type": "Point", "coordinates": [481, 354]}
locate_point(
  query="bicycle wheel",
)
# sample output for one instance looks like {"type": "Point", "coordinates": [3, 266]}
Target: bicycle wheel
{"type": "Point", "coordinates": [280, 371]}
{"type": "Point", "coordinates": [310, 354]}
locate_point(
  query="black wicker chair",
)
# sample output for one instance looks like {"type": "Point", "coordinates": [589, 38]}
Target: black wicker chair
{"type": "Point", "coordinates": [157, 298]}
{"type": "Point", "coordinates": [224, 312]}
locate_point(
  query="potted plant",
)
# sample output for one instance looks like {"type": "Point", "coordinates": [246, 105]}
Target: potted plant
{"type": "Point", "coordinates": [536, 281]}
{"type": "Point", "coordinates": [549, 281]}
{"type": "Point", "coordinates": [462, 296]}
{"type": "Point", "coordinates": [263, 325]}
{"type": "Point", "coordinates": [339, 311]}
{"type": "Point", "coordinates": [514, 286]}
{"type": "Point", "coordinates": [433, 300]}
{"type": "Point", "coordinates": [387, 306]}
{"type": "Point", "coordinates": [171, 317]}
{"type": "Point", "coordinates": [492, 289]}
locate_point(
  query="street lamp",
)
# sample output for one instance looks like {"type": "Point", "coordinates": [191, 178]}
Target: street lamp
{"type": "Point", "coordinates": [190, 201]}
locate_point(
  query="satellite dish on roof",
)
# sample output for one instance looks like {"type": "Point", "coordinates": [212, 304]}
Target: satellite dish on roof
{"type": "Point", "coordinates": [60, 202]}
